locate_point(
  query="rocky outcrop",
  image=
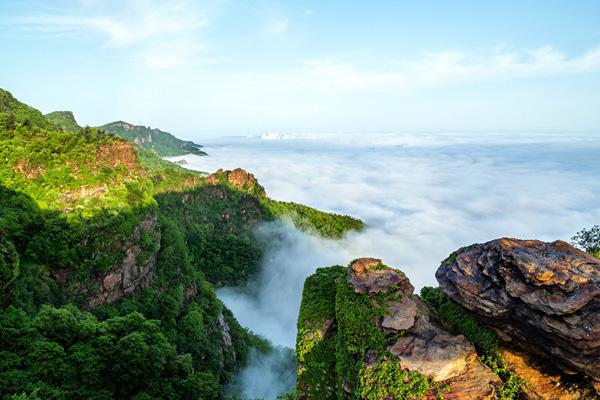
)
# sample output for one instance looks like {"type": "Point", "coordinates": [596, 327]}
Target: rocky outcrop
{"type": "Point", "coordinates": [135, 272]}
{"type": "Point", "coordinates": [423, 346]}
{"type": "Point", "coordinates": [369, 275]}
{"type": "Point", "coordinates": [404, 336]}
{"type": "Point", "coordinates": [238, 178]}
{"type": "Point", "coordinates": [544, 297]}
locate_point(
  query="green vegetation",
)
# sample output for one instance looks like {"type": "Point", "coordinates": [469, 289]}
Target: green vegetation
{"type": "Point", "coordinates": [163, 143]}
{"type": "Point", "coordinates": [13, 113]}
{"type": "Point", "coordinates": [338, 333]}
{"type": "Point", "coordinates": [62, 353]}
{"type": "Point", "coordinates": [76, 206]}
{"type": "Point", "coordinates": [309, 219]}
{"type": "Point", "coordinates": [315, 346]}
{"type": "Point", "coordinates": [387, 379]}
{"type": "Point", "coordinates": [456, 320]}
{"type": "Point", "coordinates": [64, 120]}
{"type": "Point", "coordinates": [589, 240]}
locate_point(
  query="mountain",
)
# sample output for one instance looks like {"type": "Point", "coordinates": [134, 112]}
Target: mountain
{"type": "Point", "coordinates": [164, 143]}
{"type": "Point", "coordinates": [512, 319]}
{"type": "Point", "coordinates": [65, 120]}
{"type": "Point", "coordinates": [109, 259]}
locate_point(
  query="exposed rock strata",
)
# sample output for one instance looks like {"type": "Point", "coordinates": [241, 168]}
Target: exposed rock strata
{"type": "Point", "coordinates": [542, 296]}
{"type": "Point", "coordinates": [367, 275]}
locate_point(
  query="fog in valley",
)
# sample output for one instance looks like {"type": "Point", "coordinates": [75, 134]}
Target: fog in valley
{"type": "Point", "coordinates": [421, 197]}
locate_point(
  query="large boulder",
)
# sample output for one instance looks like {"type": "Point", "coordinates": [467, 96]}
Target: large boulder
{"type": "Point", "coordinates": [544, 297]}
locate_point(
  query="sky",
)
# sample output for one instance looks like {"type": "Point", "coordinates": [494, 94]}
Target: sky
{"type": "Point", "coordinates": [218, 67]}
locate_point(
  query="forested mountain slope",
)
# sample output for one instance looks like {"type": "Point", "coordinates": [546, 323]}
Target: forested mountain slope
{"type": "Point", "coordinates": [108, 260]}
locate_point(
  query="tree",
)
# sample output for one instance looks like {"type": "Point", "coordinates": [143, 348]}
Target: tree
{"type": "Point", "coordinates": [589, 240]}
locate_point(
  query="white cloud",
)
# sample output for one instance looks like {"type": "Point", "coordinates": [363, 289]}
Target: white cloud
{"type": "Point", "coordinates": [442, 68]}
{"type": "Point", "coordinates": [159, 34]}
{"type": "Point", "coordinates": [422, 196]}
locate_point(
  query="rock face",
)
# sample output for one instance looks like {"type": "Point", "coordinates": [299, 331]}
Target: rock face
{"type": "Point", "coordinates": [404, 336]}
{"type": "Point", "coordinates": [542, 296]}
{"type": "Point", "coordinates": [115, 154]}
{"type": "Point", "coordinates": [135, 272]}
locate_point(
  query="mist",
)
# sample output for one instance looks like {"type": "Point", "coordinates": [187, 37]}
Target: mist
{"type": "Point", "coordinates": [266, 375]}
{"type": "Point", "coordinates": [421, 197]}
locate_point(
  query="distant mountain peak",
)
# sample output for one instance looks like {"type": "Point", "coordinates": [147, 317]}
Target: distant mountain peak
{"type": "Point", "coordinates": [164, 143]}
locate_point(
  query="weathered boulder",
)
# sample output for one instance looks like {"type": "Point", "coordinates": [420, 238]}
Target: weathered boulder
{"type": "Point", "coordinates": [400, 314]}
{"type": "Point", "coordinates": [542, 296]}
{"type": "Point", "coordinates": [427, 348]}
{"type": "Point", "coordinates": [369, 275]}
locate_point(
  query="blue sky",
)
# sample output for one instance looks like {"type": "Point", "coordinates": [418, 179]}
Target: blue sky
{"type": "Point", "coordinates": [235, 67]}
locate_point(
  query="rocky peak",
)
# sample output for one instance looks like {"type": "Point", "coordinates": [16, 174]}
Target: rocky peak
{"type": "Point", "coordinates": [544, 297]}
{"type": "Point", "coordinates": [239, 178]}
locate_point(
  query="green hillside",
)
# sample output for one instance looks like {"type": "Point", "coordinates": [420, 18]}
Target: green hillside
{"type": "Point", "coordinates": [65, 120]}
{"type": "Point", "coordinates": [164, 143]}
{"type": "Point", "coordinates": [109, 257]}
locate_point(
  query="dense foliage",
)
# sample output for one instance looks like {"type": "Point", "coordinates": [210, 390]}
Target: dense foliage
{"type": "Point", "coordinates": [309, 219]}
{"type": "Point", "coordinates": [80, 208]}
{"type": "Point", "coordinates": [589, 240]}
{"type": "Point", "coordinates": [62, 353]}
{"type": "Point", "coordinates": [164, 143]}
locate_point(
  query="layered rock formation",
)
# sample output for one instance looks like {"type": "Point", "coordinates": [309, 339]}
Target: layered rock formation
{"type": "Point", "coordinates": [362, 333]}
{"type": "Point", "coordinates": [544, 297]}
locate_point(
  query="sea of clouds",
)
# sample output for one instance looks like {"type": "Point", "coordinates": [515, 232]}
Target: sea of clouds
{"type": "Point", "coordinates": [422, 196]}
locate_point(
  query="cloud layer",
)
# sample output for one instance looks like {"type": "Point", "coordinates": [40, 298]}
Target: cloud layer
{"type": "Point", "coordinates": [422, 197]}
